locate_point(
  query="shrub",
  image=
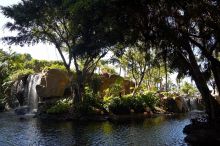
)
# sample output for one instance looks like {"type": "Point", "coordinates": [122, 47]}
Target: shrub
{"type": "Point", "coordinates": [55, 66]}
{"type": "Point", "coordinates": [119, 105]}
{"type": "Point", "coordinates": [115, 89]}
{"type": "Point", "coordinates": [123, 105]}
{"type": "Point", "coordinates": [135, 102]}
{"type": "Point", "coordinates": [150, 99]}
{"type": "Point", "coordinates": [62, 106]}
{"type": "Point", "coordinates": [90, 102]}
{"type": "Point", "coordinates": [20, 73]}
{"type": "Point", "coordinates": [188, 89]}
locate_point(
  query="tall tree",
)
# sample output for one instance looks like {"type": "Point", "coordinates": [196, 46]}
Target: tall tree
{"type": "Point", "coordinates": [62, 24]}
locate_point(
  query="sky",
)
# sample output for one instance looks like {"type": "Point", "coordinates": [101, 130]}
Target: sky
{"type": "Point", "coordinates": [38, 51]}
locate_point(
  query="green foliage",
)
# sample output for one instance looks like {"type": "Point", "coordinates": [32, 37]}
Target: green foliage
{"type": "Point", "coordinates": [90, 103]}
{"type": "Point", "coordinates": [108, 69]}
{"type": "Point", "coordinates": [95, 84]}
{"type": "Point", "coordinates": [150, 99]}
{"type": "Point", "coordinates": [124, 104]}
{"type": "Point", "coordinates": [115, 89]}
{"type": "Point", "coordinates": [118, 105]}
{"type": "Point", "coordinates": [62, 106]}
{"type": "Point", "coordinates": [20, 73]}
{"type": "Point", "coordinates": [188, 89]}
{"type": "Point", "coordinates": [135, 102]}
{"type": "Point", "coordinates": [168, 94]}
{"type": "Point", "coordinates": [55, 66]}
{"type": "Point", "coordinates": [39, 65]}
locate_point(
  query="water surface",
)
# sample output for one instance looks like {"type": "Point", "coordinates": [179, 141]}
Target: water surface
{"type": "Point", "coordinates": [158, 131]}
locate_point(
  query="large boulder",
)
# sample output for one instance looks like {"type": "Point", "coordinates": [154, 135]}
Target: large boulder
{"type": "Point", "coordinates": [109, 80]}
{"type": "Point", "coordinates": [181, 104]}
{"type": "Point", "coordinates": [15, 93]}
{"type": "Point", "coordinates": [53, 83]}
{"type": "Point", "coordinates": [177, 105]}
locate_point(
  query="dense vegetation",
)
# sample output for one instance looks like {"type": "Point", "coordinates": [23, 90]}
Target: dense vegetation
{"type": "Point", "coordinates": [14, 65]}
{"type": "Point", "coordinates": [144, 36]}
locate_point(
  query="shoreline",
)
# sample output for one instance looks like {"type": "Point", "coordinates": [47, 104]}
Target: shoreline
{"type": "Point", "coordinates": [102, 118]}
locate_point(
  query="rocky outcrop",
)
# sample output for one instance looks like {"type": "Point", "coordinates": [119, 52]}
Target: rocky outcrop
{"type": "Point", "coordinates": [202, 133]}
{"type": "Point", "coordinates": [108, 80]}
{"type": "Point", "coordinates": [29, 90]}
{"type": "Point", "coordinates": [53, 84]}
{"type": "Point", "coordinates": [16, 93]}
{"type": "Point", "coordinates": [177, 105]}
{"type": "Point", "coordinates": [181, 104]}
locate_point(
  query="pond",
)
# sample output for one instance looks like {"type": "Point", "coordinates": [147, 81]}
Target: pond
{"type": "Point", "coordinates": [157, 131]}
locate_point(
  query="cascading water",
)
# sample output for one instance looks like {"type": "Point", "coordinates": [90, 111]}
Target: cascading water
{"type": "Point", "coordinates": [33, 80]}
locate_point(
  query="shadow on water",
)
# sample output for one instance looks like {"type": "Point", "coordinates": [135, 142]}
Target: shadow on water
{"type": "Point", "coordinates": [159, 130]}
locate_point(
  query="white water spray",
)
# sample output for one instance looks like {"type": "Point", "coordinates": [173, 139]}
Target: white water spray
{"type": "Point", "coordinates": [33, 80]}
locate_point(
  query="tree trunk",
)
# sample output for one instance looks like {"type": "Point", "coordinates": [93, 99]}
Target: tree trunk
{"type": "Point", "coordinates": [166, 78]}
{"type": "Point", "coordinates": [210, 102]}
{"type": "Point", "coordinates": [216, 73]}
{"type": "Point", "coordinates": [79, 88]}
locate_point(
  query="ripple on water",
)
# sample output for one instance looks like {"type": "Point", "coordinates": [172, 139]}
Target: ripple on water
{"type": "Point", "coordinates": [157, 131]}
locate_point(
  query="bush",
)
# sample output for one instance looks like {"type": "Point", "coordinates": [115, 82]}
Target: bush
{"type": "Point", "coordinates": [135, 102]}
{"type": "Point", "coordinates": [55, 66]}
{"type": "Point", "coordinates": [150, 99]}
{"type": "Point", "coordinates": [124, 104]}
{"type": "Point", "coordinates": [20, 73]}
{"type": "Point", "coordinates": [119, 105]}
{"type": "Point", "coordinates": [62, 106]}
{"type": "Point", "coordinates": [188, 89]}
{"type": "Point", "coordinates": [90, 102]}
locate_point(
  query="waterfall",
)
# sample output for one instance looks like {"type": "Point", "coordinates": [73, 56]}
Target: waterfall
{"type": "Point", "coordinates": [32, 96]}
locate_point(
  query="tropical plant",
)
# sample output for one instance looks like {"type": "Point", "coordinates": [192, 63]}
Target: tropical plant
{"type": "Point", "coordinates": [188, 89]}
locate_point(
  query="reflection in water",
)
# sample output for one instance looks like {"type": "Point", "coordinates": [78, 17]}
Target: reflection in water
{"type": "Point", "coordinates": [161, 130]}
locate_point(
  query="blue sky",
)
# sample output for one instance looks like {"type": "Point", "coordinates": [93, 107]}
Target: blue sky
{"type": "Point", "coordinates": [39, 51]}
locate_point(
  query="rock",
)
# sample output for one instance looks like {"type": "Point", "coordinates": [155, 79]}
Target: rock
{"type": "Point", "coordinates": [109, 80]}
{"type": "Point", "coordinates": [53, 83]}
{"type": "Point", "coordinates": [202, 133]}
{"type": "Point", "coordinates": [159, 110]}
{"type": "Point", "coordinates": [170, 104]}
{"type": "Point", "coordinates": [181, 104]}
{"type": "Point", "coordinates": [177, 105]}
{"type": "Point", "coordinates": [22, 110]}
{"type": "Point", "coordinates": [15, 93]}
{"type": "Point", "coordinates": [147, 109]}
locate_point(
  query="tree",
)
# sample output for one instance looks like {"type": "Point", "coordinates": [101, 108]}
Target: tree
{"type": "Point", "coordinates": [164, 25]}
{"type": "Point", "coordinates": [137, 64]}
{"type": "Point", "coordinates": [62, 24]}
{"type": "Point", "coordinates": [188, 89]}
